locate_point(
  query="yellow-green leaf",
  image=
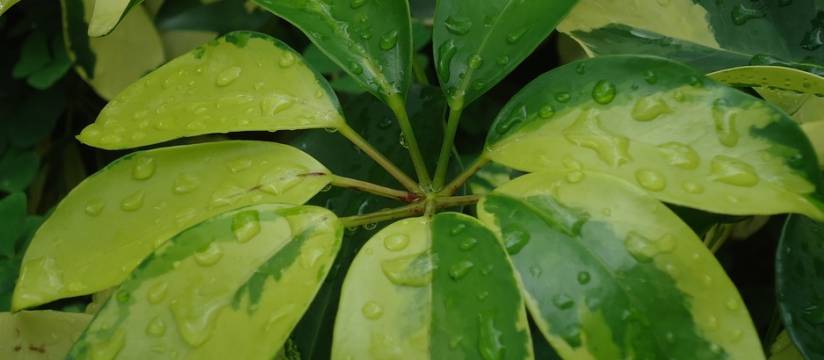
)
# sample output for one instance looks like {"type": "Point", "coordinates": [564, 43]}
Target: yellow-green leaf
{"type": "Point", "coordinates": [6, 4]}
{"type": "Point", "coordinates": [610, 273]}
{"type": "Point", "coordinates": [784, 349]}
{"type": "Point", "coordinates": [232, 287]}
{"type": "Point", "coordinates": [39, 335]}
{"type": "Point", "coordinates": [107, 14]}
{"type": "Point", "coordinates": [112, 62]}
{"type": "Point", "coordinates": [439, 288]}
{"type": "Point", "coordinates": [815, 131]}
{"type": "Point", "coordinates": [243, 81]}
{"type": "Point", "coordinates": [663, 126]}
{"type": "Point", "coordinates": [104, 227]}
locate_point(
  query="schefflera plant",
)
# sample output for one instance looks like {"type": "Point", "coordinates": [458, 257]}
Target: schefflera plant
{"type": "Point", "coordinates": [212, 254]}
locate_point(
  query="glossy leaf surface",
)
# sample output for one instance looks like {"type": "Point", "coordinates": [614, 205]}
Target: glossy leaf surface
{"type": "Point", "coordinates": [243, 81]}
{"type": "Point", "coordinates": [609, 272]}
{"type": "Point", "coordinates": [432, 289]}
{"type": "Point", "coordinates": [684, 138]}
{"type": "Point", "coordinates": [134, 205]}
{"type": "Point", "coordinates": [107, 14]}
{"type": "Point", "coordinates": [799, 274]}
{"type": "Point", "coordinates": [708, 34]}
{"type": "Point", "coordinates": [477, 44]}
{"type": "Point", "coordinates": [370, 39]}
{"type": "Point", "coordinates": [798, 93]}
{"type": "Point", "coordinates": [233, 286]}
{"type": "Point", "coordinates": [39, 335]}
{"type": "Point", "coordinates": [104, 62]}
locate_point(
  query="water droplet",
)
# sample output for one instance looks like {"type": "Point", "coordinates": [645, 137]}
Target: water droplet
{"type": "Point", "coordinates": [238, 165]}
{"type": "Point", "coordinates": [650, 180]}
{"type": "Point", "coordinates": [588, 132]}
{"type": "Point", "coordinates": [108, 349]}
{"type": "Point", "coordinates": [372, 311]}
{"type": "Point", "coordinates": [133, 202]}
{"type": "Point", "coordinates": [457, 229]}
{"type": "Point", "coordinates": [581, 68]}
{"type": "Point", "coordinates": [563, 301]}
{"type": "Point", "coordinates": [273, 105]}
{"type": "Point", "coordinates": [649, 108]}
{"type": "Point", "coordinates": [515, 36]}
{"type": "Point", "coordinates": [280, 179]}
{"type": "Point", "coordinates": [226, 195]}
{"type": "Point", "coordinates": [186, 183]}
{"type": "Point", "coordinates": [287, 59]}
{"type": "Point", "coordinates": [482, 295]}
{"type": "Point", "coordinates": [732, 171]}
{"type": "Point", "coordinates": [455, 341]}
{"type": "Point", "coordinates": [94, 207]}
{"type": "Point", "coordinates": [692, 188]}
{"type": "Point", "coordinates": [446, 51]}
{"type": "Point", "coordinates": [389, 40]}
{"type": "Point", "coordinates": [546, 111]}
{"type": "Point", "coordinates": [650, 77]}
{"type": "Point", "coordinates": [643, 249]}
{"type": "Point", "coordinates": [536, 271]}
{"type": "Point", "coordinates": [354, 4]}
{"type": "Point", "coordinates": [156, 327]}
{"type": "Point", "coordinates": [460, 269]}
{"type": "Point", "coordinates": [396, 242]}
{"type": "Point", "coordinates": [468, 243]}
{"type": "Point", "coordinates": [210, 256]}
{"type": "Point", "coordinates": [515, 240]}
{"type": "Point", "coordinates": [490, 344]}
{"type": "Point", "coordinates": [122, 296]}
{"type": "Point", "coordinates": [144, 168]}
{"type": "Point", "coordinates": [475, 61]}
{"type": "Point", "coordinates": [458, 25]}
{"type": "Point", "coordinates": [725, 119]}
{"type": "Point", "coordinates": [562, 97]}
{"type": "Point", "coordinates": [680, 155]}
{"type": "Point", "coordinates": [603, 92]}
{"type": "Point", "coordinates": [741, 14]}
{"type": "Point", "coordinates": [355, 68]}
{"type": "Point", "coordinates": [712, 322]}
{"type": "Point", "coordinates": [246, 225]}
{"type": "Point", "coordinates": [409, 270]}
{"type": "Point", "coordinates": [732, 304]}
{"type": "Point", "coordinates": [195, 320]}
{"type": "Point", "coordinates": [502, 60]}
{"type": "Point", "coordinates": [583, 277]}
{"type": "Point", "coordinates": [228, 76]}
{"type": "Point", "coordinates": [157, 292]}
{"type": "Point", "coordinates": [574, 177]}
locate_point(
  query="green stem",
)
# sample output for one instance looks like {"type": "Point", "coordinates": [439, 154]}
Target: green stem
{"type": "Point", "coordinates": [384, 215]}
{"type": "Point", "coordinates": [419, 71]}
{"type": "Point", "coordinates": [446, 146]}
{"type": "Point", "coordinates": [399, 108]}
{"type": "Point", "coordinates": [349, 183]}
{"type": "Point", "coordinates": [367, 148]}
{"type": "Point", "coordinates": [455, 184]}
{"type": "Point", "coordinates": [453, 201]}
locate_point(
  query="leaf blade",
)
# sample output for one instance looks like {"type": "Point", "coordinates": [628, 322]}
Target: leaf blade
{"type": "Point", "coordinates": [126, 206]}
{"type": "Point", "coordinates": [619, 261]}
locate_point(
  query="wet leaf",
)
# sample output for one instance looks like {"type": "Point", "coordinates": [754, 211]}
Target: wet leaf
{"type": "Point", "coordinates": [40, 335]}
{"type": "Point", "coordinates": [232, 286]}
{"type": "Point", "coordinates": [243, 81]}
{"type": "Point", "coordinates": [371, 40]}
{"type": "Point", "coordinates": [138, 202]}
{"type": "Point", "coordinates": [799, 273]}
{"type": "Point", "coordinates": [432, 289]}
{"type": "Point", "coordinates": [684, 138]}
{"type": "Point", "coordinates": [478, 44]}
{"type": "Point", "coordinates": [609, 272]}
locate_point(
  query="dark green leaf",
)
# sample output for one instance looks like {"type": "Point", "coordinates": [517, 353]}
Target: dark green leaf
{"type": "Point", "coordinates": [219, 16]}
{"type": "Point", "coordinates": [36, 116]}
{"type": "Point", "coordinates": [33, 56]}
{"type": "Point", "coordinates": [54, 70]}
{"type": "Point", "coordinates": [318, 61]}
{"type": "Point", "coordinates": [799, 270]}
{"type": "Point", "coordinates": [17, 169]}
{"type": "Point", "coordinates": [12, 217]}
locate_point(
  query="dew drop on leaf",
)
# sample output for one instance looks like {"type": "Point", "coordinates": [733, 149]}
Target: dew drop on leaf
{"type": "Point", "coordinates": [468, 243]}
{"type": "Point", "coordinates": [410, 270]}
{"type": "Point", "coordinates": [457, 229]}
{"type": "Point", "coordinates": [460, 269]}
{"type": "Point", "coordinates": [649, 108]}
{"type": "Point", "coordinates": [446, 51]}
{"type": "Point", "coordinates": [389, 40]}
{"type": "Point", "coordinates": [515, 240]}
{"type": "Point", "coordinates": [246, 225]}
{"type": "Point", "coordinates": [396, 242]}
{"type": "Point", "coordinates": [355, 4]}
{"type": "Point", "coordinates": [157, 292]}
{"type": "Point", "coordinates": [490, 344]}
{"type": "Point", "coordinates": [563, 301]}
{"type": "Point", "coordinates": [287, 59]}
{"type": "Point", "coordinates": [228, 76]}
{"type": "Point", "coordinates": [583, 277]}
{"type": "Point", "coordinates": [186, 183]}
{"type": "Point", "coordinates": [108, 349]}
{"type": "Point", "coordinates": [144, 168]}
{"type": "Point", "coordinates": [156, 327]}
{"type": "Point", "coordinates": [458, 25]}
{"type": "Point", "coordinates": [603, 92]}
{"type": "Point", "coordinates": [210, 256]}
{"type": "Point", "coordinates": [133, 202]}
{"type": "Point", "coordinates": [94, 207]}
{"type": "Point", "coordinates": [732, 171]}
{"type": "Point", "coordinates": [650, 180]}
{"type": "Point", "coordinates": [372, 310]}
{"type": "Point", "coordinates": [680, 155]}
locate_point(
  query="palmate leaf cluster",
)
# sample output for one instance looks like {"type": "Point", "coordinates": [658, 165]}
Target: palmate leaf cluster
{"type": "Point", "coordinates": [429, 193]}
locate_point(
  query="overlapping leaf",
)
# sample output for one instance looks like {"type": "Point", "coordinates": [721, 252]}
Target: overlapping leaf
{"type": "Point", "coordinates": [684, 138]}
{"type": "Point", "coordinates": [799, 274]}
{"type": "Point", "coordinates": [233, 286]}
{"type": "Point", "coordinates": [369, 39]}
{"type": "Point", "coordinates": [243, 81]}
{"type": "Point", "coordinates": [609, 272]}
{"type": "Point", "coordinates": [102, 230]}
{"type": "Point", "coordinates": [708, 34]}
{"type": "Point", "coordinates": [432, 289]}
{"type": "Point", "coordinates": [477, 44]}
{"type": "Point", "coordinates": [107, 14]}
{"type": "Point", "coordinates": [40, 335]}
